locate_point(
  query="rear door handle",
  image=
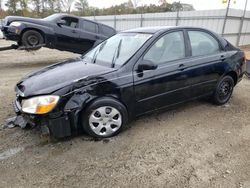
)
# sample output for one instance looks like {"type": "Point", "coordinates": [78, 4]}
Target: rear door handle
{"type": "Point", "coordinates": [181, 67]}
{"type": "Point", "coordinates": [74, 31]}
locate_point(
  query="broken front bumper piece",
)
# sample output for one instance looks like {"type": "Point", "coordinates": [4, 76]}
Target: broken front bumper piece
{"type": "Point", "coordinates": [55, 124]}
{"type": "Point", "coordinates": [15, 121]}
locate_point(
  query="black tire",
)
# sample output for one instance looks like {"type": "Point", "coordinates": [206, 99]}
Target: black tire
{"type": "Point", "coordinates": [223, 91]}
{"type": "Point", "coordinates": [32, 38]}
{"type": "Point", "coordinates": [104, 102]}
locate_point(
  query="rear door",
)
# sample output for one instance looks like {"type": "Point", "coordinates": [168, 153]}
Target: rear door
{"type": "Point", "coordinates": [206, 57]}
{"type": "Point", "coordinates": [89, 34]}
{"type": "Point", "coordinates": [68, 34]}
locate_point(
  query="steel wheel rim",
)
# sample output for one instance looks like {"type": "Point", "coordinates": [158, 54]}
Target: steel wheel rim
{"type": "Point", "coordinates": [33, 40]}
{"type": "Point", "coordinates": [105, 121]}
{"type": "Point", "coordinates": [225, 90]}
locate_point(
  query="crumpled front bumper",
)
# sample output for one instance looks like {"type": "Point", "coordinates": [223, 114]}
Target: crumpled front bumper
{"type": "Point", "coordinates": [11, 33]}
{"type": "Point", "coordinates": [58, 125]}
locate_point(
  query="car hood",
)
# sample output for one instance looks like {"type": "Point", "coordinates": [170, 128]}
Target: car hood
{"type": "Point", "coordinates": [10, 19]}
{"type": "Point", "coordinates": [57, 76]}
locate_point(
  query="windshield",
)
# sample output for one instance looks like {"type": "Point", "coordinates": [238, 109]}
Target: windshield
{"type": "Point", "coordinates": [51, 17]}
{"type": "Point", "coordinates": [117, 50]}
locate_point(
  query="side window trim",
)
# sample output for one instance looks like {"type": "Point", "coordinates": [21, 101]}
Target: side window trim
{"type": "Point", "coordinates": [188, 41]}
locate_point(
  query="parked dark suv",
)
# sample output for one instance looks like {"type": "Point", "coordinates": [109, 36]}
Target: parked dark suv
{"type": "Point", "coordinates": [130, 74]}
{"type": "Point", "coordinates": [59, 31]}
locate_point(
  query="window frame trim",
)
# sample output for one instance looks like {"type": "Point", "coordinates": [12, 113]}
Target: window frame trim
{"type": "Point", "coordinates": [204, 31]}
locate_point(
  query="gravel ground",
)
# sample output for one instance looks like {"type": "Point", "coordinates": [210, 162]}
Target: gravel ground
{"type": "Point", "coordinates": [195, 145]}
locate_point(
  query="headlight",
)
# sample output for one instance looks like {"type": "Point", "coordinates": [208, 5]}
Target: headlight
{"type": "Point", "coordinates": [39, 105]}
{"type": "Point", "coordinates": [15, 24]}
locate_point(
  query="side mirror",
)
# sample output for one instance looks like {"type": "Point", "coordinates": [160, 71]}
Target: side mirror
{"type": "Point", "coordinates": [146, 65]}
{"type": "Point", "coordinates": [61, 22]}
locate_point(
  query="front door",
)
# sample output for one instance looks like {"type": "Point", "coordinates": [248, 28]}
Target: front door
{"type": "Point", "coordinates": [68, 34]}
{"type": "Point", "coordinates": [169, 82]}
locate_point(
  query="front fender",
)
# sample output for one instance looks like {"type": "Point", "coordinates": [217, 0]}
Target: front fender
{"type": "Point", "coordinates": [48, 32]}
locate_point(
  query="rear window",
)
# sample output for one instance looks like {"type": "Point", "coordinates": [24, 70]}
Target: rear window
{"type": "Point", "coordinates": [90, 26]}
{"type": "Point", "coordinates": [107, 31]}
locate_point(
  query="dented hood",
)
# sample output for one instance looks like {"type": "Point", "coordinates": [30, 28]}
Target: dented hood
{"type": "Point", "coordinates": [57, 76]}
{"type": "Point", "coordinates": [10, 19]}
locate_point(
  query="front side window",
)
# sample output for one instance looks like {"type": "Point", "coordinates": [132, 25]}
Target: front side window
{"type": "Point", "coordinates": [117, 50]}
{"type": "Point", "coordinates": [170, 47]}
{"type": "Point", "coordinates": [202, 43]}
{"type": "Point", "coordinates": [71, 22]}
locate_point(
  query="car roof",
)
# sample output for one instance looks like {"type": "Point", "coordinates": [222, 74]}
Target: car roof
{"type": "Point", "coordinates": [152, 30]}
{"type": "Point", "coordinates": [65, 14]}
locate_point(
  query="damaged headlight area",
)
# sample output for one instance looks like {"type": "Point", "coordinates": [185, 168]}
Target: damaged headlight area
{"type": "Point", "coordinates": [15, 24]}
{"type": "Point", "coordinates": [40, 105]}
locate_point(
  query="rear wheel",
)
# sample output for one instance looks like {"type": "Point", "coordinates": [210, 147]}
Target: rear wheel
{"type": "Point", "coordinates": [32, 38]}
{"type": "Point", "coordinates": [223, 91]}
{"type": "Point", "coordinates": [104, 118]}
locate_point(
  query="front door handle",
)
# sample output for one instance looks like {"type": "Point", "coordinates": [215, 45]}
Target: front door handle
{"type": "Point", "coordinates": [181, 67]}
{"type": "Point", "coordinates": [222, 58]}
{"type": "Point", "coordinates": [73, 31]}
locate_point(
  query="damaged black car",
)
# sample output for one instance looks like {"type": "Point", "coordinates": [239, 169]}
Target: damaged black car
{"type": "Point", "coordinates": [58, 31]}
{"type": "Point", "coordinates": [130, 74]}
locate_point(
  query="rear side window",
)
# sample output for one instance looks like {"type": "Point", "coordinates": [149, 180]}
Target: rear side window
{"type": "Point", "coordinates": [90, 26]}
{"type": "Point", "coordinates": [107, 31]}
{"type": "Point", "coordinates": [203, 43]}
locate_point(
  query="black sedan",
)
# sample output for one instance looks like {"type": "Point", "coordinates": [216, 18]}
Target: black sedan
{"type": "Point", "coordinates": [59, 31]}
{"type": "Point", "coordinates": [132, 73]}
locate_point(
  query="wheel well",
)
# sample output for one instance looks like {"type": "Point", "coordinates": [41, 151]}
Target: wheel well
{"type": "Point", "coordinates": [95, 99]}
{"type": "Point", "coordinates": [234, 76]}
{"type": "Point", "coordinates": [28, 29]}
{"type": "Point", "coordinates": [104, 97]}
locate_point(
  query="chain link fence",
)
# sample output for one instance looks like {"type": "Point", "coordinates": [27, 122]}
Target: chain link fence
{"type": "Point", "coordinates": [235, 27]}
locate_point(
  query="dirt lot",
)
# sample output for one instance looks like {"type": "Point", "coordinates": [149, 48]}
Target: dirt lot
{"type": "Point", "coordinates": [195, 145]}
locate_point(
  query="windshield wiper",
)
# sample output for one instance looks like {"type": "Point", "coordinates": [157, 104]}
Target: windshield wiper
{"type": "Point", "coordinates": [116, 54]}
{"type": "Point", "coordinates": [98, 51]}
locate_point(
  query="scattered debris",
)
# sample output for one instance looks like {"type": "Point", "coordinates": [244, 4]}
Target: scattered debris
{"type": "Point", "coordinates": [10, 152]}
{"type": "Point", "coordinates": [218, 155]}
{"type": "Point", "coordinates": [226, 105]}
{"type": "Point", "coordinates": [15, 121]}
{"type": "Point", "coordinates": [228, 172]}
{"type": "Point", "coordinates": [106, 140]}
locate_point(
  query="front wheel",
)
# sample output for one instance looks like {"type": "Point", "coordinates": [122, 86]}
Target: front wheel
{"type": "Point", "coordinates": [104, 118]}
{"type": "Point", "coordinates": [32, 38]}
{"type": "Point", "coordinates": [223, 91]}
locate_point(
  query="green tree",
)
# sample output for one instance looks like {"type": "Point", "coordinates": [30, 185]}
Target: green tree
{"type": "Point", "coordinates": [24, 7]}
{"type": "Point", "coordinates": [81, 6]}
{"type": "Point", "coordinates": [12, 6]}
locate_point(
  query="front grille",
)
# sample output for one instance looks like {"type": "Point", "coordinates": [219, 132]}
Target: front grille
{"type": "Point", "coordinates": [19, 91]}
{"type": "Point", "coordinates": [17, 106]}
